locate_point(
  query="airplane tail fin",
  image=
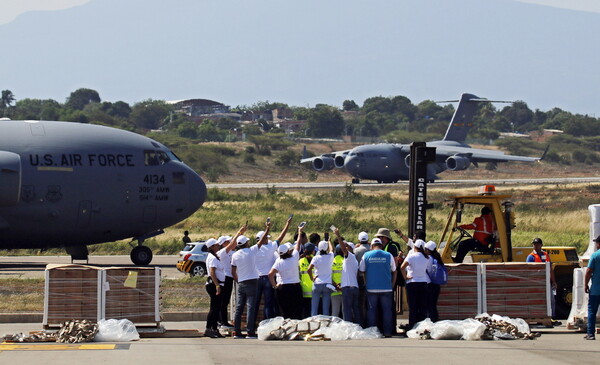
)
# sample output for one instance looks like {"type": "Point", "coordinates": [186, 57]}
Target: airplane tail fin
{"type": "Point", "coordinates": [462, 120]}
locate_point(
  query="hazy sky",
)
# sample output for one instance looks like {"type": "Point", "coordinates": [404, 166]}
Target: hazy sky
{"type": "Point", "coordinates": [11, 8]}
{"type": "Point", "coordinates": [304, 53]}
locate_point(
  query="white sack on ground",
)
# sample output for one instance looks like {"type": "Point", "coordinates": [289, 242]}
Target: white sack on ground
{"type": "Point", "coordinates": [314, 328]}
{"type": "Point", "coordinates": [482, 327]}
{"type": "Point", "coordinates": [116, 330]}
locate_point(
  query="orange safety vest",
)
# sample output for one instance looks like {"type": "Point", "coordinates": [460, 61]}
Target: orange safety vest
{"type": "Point", "coordinates": [544, 257]}
{"type": "Point", "coordinates": [484, 227]}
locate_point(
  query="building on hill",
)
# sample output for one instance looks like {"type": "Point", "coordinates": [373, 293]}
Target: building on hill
{"type": "Point", "coordinates": [199, 107]}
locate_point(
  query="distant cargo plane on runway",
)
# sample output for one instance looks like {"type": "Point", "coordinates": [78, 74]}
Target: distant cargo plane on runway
{"type": "Point", "coordinates": [388, 162]}
{"type": "Point", "coordinates": [71, 185]}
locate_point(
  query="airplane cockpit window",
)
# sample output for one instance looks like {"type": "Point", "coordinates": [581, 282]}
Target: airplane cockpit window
{"type": "Point", "coordinates": [173, 156]}
{"type": "Point", "coordinates": [155, 158]}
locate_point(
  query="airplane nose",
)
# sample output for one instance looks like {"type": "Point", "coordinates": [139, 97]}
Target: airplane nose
{"type": "Point", "coordinates": [197, 194]}
{"type": "Point", "coordinates": [350, 164]}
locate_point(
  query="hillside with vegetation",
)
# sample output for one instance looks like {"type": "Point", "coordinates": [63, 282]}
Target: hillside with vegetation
{"type": "Point", "coordinates": [224, 150]}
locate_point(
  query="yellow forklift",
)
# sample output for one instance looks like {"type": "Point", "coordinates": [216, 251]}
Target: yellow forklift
{"type": "Point", "coordinates": [564, 259]}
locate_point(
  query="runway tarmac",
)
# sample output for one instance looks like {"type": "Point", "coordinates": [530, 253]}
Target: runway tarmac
{"type": "Point", "coordinates": [555, 346]}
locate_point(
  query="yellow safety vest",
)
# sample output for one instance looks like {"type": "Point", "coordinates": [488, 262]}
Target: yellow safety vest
{"type": "Point", "coordinates": [305, 281]}
{"type": "Point", "coordinates": [336, 272]}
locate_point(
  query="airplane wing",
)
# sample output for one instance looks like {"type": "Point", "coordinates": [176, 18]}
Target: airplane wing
{"type": "Point", "coordinates": [311, 159]}
{"type": "Point", "coordinates": [480, 155]}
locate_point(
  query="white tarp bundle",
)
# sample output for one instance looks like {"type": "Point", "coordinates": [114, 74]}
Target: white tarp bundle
{"type": "Point", "coordinates": [314, 328]}
{"type": "Point", "coordinates": [481, 327]}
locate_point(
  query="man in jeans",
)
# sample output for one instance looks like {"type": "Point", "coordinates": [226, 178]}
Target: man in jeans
{"type": "Point", "coordinates": [243, 269]}
{"type": "Point", "coordinates": [265, 258]}
{"type": "Point", "coordinates": [593, 273]}
{"type": "Point", "coordinates": [379, 269]}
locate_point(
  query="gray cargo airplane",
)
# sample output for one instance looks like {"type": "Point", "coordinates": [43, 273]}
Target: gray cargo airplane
{"type": "Point", "coordinates": [71, 185]}
{"type": "Point", "coordinates": [389, 162]}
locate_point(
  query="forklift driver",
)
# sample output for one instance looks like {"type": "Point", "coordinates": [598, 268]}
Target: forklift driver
{"type": "Point", "coordinates": [484, 228]}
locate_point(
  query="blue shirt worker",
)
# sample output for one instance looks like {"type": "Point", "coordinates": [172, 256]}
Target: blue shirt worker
{"type": "Point", "coordinates": [593, 273]}
{"type": "Point", "coordinates": [379, 269]}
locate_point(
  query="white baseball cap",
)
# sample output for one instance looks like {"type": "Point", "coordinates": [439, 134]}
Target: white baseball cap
{"type": "Point", "coordinates": [363, 237]}
{"type": "Point", "coordinates": [283, 249]}
{"type": "Point", "coordinates": [430, 245]}
{"type": "Point", "coordinates": [221, 240]}
{"type": "Point", "coordinates": [419, 243]}
{"type": "Point", "coordinates": [241, 240]}
{"type": "Point", "coordinates": [376, 241]}
{"type": "Point", "coordinates": [323, 245]}
{"type": "Point", "coordinates": [210, 242]}
{"type": "Point", "coordinates": [351, 245]}
{"type": "Point", "coordinates": [260, 234]}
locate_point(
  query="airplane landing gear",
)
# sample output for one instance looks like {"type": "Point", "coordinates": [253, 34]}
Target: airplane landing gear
{"type": "Point", "coordinates": [141, 255]}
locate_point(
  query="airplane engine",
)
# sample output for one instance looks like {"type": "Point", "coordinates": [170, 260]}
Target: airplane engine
{"type": "Point", "coordinates": [10, 178]}
{"type": "Point", "coordinates": [407, 160]}
{"type": "Point", "coordinates": [323, 163]}
{"type": "Point", "coordinates": [339, 161]}
{"type": "Point", "coordinates": [456, 163]}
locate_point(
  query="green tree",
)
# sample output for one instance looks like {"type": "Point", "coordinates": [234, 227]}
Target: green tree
{"type": "Point", "coordinates": [251, 130]}
{"type": "Point", "coordinates": [36, 109]}
{"type": "Point", "coordinates": [6, 101]}
{"type": "Point", "coordinates": [187, 130]}
{"type": "Point", "coordinates": [208, 132]}
{"type": "Point", "coordinates": [325, 121]}
{"type": "Point", "coordinates": [118, 109]}
{"type": "Point", "coordinates": [82, 97]}
{"type": "Point", "coordinates": [150, 114]}
{"type": "Point", "coordinates": [350, 105]}
{"type": "Point", "coordinates": [519, 115]}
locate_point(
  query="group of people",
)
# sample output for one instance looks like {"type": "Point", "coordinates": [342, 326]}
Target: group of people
{"type": "Point", "coordinates": [332, 276]}
{"type": "Point", "coordinates": [320, 275]}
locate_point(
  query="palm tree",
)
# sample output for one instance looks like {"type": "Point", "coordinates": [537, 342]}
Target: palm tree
{"type": "Point", "coordinates": [6, 100]}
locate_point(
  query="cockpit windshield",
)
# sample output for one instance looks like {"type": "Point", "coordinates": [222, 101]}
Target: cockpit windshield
{"type": "Point", "coordinates": [155, 158]}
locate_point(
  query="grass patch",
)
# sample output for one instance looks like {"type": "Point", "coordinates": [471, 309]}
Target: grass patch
{"type": "Point", "coordinates": [556, 213]}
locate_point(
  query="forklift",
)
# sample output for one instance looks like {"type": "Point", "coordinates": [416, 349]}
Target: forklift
{"type": "Point", "coordinates": [500, 249]}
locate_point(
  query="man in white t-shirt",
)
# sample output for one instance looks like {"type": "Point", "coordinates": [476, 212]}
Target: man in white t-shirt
{"type": "Point", "coordinates": [350, 297]}
{"type": "Point", "coordinates": [265, 258]}
{"type": "Point", "coordinates": [227, 245]}
{"type": "Point", "coordinates": [361, 248]}
{"type": "Point", "coordinates": [243, 269]}
{"type": "Point", "coordinates": [322, 287]}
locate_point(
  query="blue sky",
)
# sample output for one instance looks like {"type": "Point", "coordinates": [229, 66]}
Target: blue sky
{"type": "Point", "coordinates": [543, 52]}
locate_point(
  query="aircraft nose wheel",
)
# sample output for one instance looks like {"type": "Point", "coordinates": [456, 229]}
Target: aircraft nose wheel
{"type": "Point", "coordinates": [141, 255]}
